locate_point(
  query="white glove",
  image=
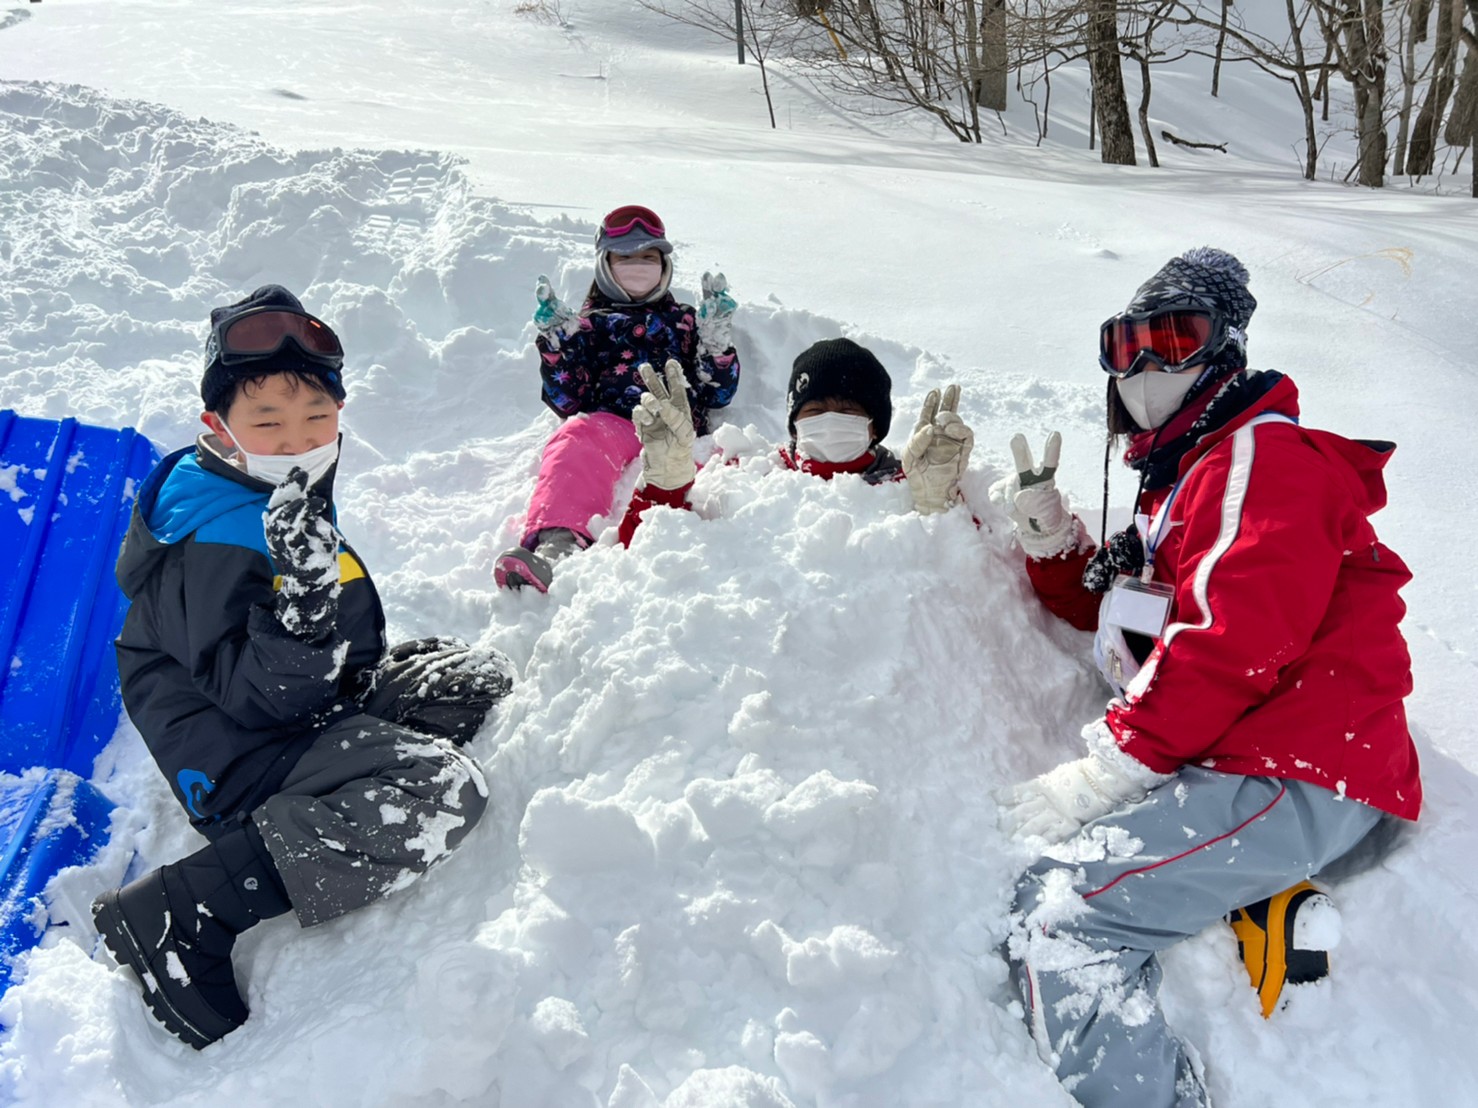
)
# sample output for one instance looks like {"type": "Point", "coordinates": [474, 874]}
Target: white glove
{"type": "Point", "coordinates": [716, 315]}
{"type": "Point", "coordinates": [1044, 526]}
{"type": "Point", "coordinates": [937, 452]}
{"type": "Point", "coordinates": [1056, 804]}
{"type": "Point", "coordinates": [664, 423]}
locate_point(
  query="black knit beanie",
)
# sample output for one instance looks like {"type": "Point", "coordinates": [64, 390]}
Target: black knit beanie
{"type": "Point", "coordinates": [219, 381]}
{"type": "Point", "coordinates": [840, 369]}
{"type": "Point", "coordinates": [1209, 279]}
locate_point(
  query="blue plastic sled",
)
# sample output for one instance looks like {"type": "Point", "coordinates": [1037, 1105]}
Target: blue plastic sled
{"type": "Point", "coordinates": [66, 491]}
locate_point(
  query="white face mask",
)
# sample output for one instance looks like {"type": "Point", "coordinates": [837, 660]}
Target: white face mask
{"type": "Point", "coordinates": [636, 277]}
{"type": "Point", "coordinates": [274, 468]}
{"type": "Point", "coordinates": [1152, 398]}
{"type": "Point", "coordinates": [833, 436]}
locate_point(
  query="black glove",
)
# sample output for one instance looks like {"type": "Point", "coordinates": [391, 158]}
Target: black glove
{"type": "Point", "coordinates": [305, 549]}
{"type": "Point", "coordinates": [438, 686]}
{"type": "Point", "coordinates": [1122, 553]}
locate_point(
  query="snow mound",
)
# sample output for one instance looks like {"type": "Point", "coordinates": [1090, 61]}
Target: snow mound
{"type": "Point", "coordinates": [740, 847]}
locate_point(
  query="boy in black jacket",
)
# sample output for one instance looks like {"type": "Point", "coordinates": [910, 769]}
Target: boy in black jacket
{"type": "Point", "coordinates": [324, 771]}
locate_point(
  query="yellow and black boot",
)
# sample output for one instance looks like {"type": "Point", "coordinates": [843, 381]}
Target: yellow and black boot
{"type": "Point", "coordinates": [1275, 949]}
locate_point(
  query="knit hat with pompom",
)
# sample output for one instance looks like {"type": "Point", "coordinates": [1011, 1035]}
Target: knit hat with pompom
{"type": "Point", "coordinates": [1205, 278]}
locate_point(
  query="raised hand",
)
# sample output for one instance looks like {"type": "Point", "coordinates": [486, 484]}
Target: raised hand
{"type": "Point", "coordinates": [552, 316]}
{"type": "Point", "coordinates": [937, 452]}
{"type": "Point", "coordinates": [716, 315]}
{"type": "Point", "coordinates": [305, 549]}
{"type": "Point", "coordinates": [664, 423]}
{"type": "Point", "coordinates": [1044, 526]}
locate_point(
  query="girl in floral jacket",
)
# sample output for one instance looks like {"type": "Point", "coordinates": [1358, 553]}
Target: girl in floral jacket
{"type": "Point", "coordinates": [588, 362]}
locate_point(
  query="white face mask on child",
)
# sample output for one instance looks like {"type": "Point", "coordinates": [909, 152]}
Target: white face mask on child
{"type": "Point", "coordinates": [833, 436]}
{"type": "Point", "coordinates": [636, 276]}
{"type": "Point", "coordinates": [274, 468]}
{"type": "Point", "coordinates": [1152, 398]}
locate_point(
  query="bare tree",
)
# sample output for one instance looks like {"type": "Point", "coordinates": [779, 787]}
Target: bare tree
{"type": "Point", "coordinates": [765, 29]}
{"type": "Point", "coordinates": [1462, 124]}
{"type": "Point", "coordinates": [1221, 44]}
{"type": "Point", "coordinates": [1287, 59]}
{"type": "Point", "coordinates": [1138, 44]}
{"type": "Point", "coordinates": [1356, 30]}
{"type": "Point", "coordinates": [1110, 106]}
{"type": "Point", "coordinates": [930, 57]}
{"type": "Point", "coordinates": [1426, 131]}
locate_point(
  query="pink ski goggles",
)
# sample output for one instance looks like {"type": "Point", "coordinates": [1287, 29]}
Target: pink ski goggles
{"type": "Point", "coordinates": [626, 219]}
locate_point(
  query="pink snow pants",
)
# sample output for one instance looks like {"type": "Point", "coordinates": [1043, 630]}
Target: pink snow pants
{"type": "Point", "coordinates": [582, 463]}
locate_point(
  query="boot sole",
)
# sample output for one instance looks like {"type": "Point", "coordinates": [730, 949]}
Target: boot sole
{"type": "Point", "coordinates": [128, 951]}
{"type": "Point", "coordinates": [511, 571]}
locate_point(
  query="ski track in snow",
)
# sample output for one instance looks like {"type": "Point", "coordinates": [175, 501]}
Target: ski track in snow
{"type": "Point", "coordinates": [741, 847]}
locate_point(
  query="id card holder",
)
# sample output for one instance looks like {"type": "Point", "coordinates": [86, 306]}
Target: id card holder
{"type": "Point", "coordinates": [1140, 606]}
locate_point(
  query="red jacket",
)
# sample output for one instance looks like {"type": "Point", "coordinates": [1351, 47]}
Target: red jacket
{"type": "Point", "coordinates": [1282, 656]}
{"type": "Point", "coordinates": [875, 467]}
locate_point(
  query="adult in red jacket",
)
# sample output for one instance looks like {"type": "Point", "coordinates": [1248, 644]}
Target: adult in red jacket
{"type": "Point", "coordinates": [1249, 620]}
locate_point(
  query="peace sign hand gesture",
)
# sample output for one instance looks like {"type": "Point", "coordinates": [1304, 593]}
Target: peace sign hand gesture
{"type": "Point", "coordinates": [937, 452]}
{"type": "Point", "coordinates": [1044, 526]}
{"type": "Point", "coordinates": [664, 423]}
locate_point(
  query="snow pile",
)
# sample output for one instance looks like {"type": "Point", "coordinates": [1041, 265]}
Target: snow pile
{"type": "Point", "coordinates": [740, 849]}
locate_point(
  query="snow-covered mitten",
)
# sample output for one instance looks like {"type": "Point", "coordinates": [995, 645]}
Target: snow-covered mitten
{"type": "Point", "coordinates": [937, 452]}
{"type": "Point", "coordinates": [664, 423]}
{"type": "Point", "coordinates": [1056, 804]}
{"type": "Point", "coordinates": [1044, 526]}
{"type": "Point", "coordinates": [716, 315]}
{"type": "Point", "coordinates": [305, 549]}
{"type": "Point", "coordinates": [552, 316]}
{"type": "Point", "coordinates": [438, 686]}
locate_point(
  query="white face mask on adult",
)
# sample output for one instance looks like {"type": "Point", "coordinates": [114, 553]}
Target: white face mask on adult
{"type": "Point", "coordinates": [833, 436]}
{"type": "Point", "coordinates": [1152, 398]}
{"type": "Point", "coordinates": [637, 278]}
{"type": "Point", "coordinates": [274, 468]}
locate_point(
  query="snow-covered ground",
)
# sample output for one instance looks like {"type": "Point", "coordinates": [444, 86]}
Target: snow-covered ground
{"type": "Point", "coordinates": [742, 848]}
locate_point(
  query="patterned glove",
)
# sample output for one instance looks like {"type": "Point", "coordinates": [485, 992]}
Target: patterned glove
{"type": "Point", "coordinates": [1044, 526]}
{"type": "Point", "coordinates": [1055, 805]}
{"type": "Point", "coordinates": [305, 549]}
{"type": "Point", "coordinates": [552, 316]}
{"type": "Point", "coordinates": [664, 423]}
{"type": "Point", "coordinates": [716, 315]}
{"type": "Point", "coordinates": [937, 452]}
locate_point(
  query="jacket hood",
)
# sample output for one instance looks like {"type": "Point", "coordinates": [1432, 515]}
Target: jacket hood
{"type": "Point", "coordinates": [1364, 460]}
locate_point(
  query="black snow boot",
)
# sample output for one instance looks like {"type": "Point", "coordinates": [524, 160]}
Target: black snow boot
{"type": "Point", "coordinates": [175, 929]}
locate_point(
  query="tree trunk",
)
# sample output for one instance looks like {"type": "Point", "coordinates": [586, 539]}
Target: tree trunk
{"type": "Point", "coordinates": [1221, 42]}
{"type": "Point", "coordinates": [1411, 34]}
{"type": "Point", "coordinates": [1144, 105]}
{"type": "Point", "coordinates": [1426, 131]}
{"type": "Point", "coordinates": [1363, 27]}
{"type": "Point", "coordinates": [1463, 120]}
{"type": "Point", "coordinates": [995, 64]}
{"type": "Point", "coordinates": [1301, 86]}
{"type": "Point", "coordinates": [1110, 105]}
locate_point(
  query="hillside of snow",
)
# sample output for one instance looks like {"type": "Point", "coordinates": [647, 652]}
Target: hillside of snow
{"type": "Point", "coordinates": [741, 846]}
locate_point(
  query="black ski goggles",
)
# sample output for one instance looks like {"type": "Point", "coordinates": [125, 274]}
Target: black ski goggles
{"type": "Point", "coordinates": [262, 332]}
{"type": "Point", "coordinates": [1171, 339]}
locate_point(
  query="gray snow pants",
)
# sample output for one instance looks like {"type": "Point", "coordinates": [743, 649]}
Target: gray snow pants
{"type": "Point", "coordinates": [1090, 917]}
{"type": "Point", "coordinates": [370, 805]}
